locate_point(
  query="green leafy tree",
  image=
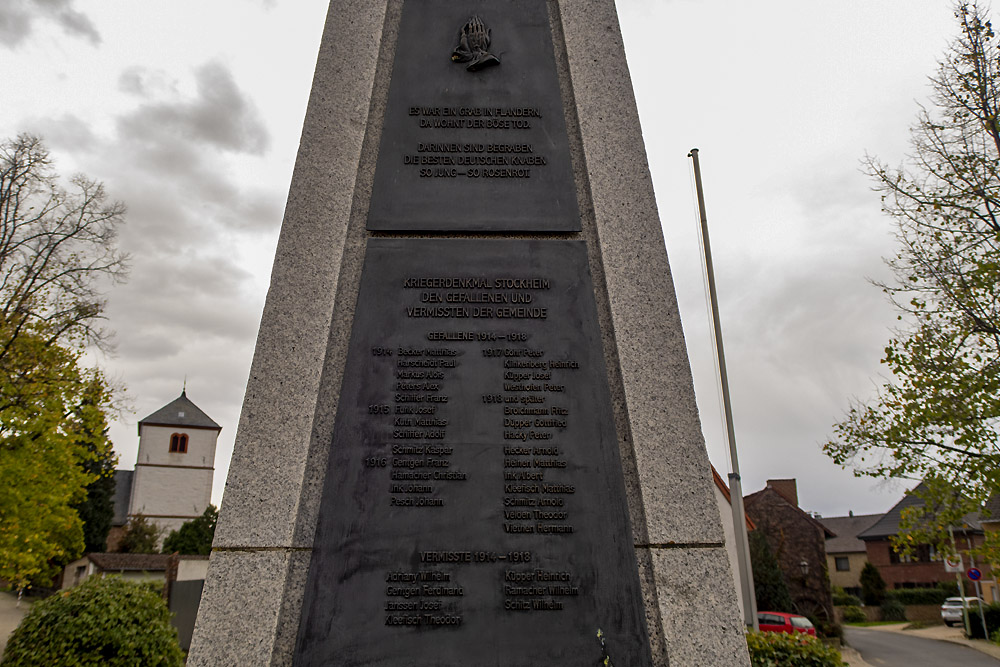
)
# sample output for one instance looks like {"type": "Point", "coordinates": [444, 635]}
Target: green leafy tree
{"type": "Point", "coordinates": [195, 536]}
{"type": "Point", "coordinates": [141, 536]}
{"type": "Point", "coordinates": [98, 507]}
{"type": "Point", "coordinates": [47, 437]}
{"type": "Point", "coordinates": [872, 585]}
{"type": "Point", "coordinates": [769, 584]}
{"type": "Point", "coordinates": [105, 621]}
{"type": "Point", "coordinates": [938, 412]}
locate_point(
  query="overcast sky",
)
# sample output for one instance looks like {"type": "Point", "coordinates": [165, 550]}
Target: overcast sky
{"type": "Point", "coordinates": [190, 112]}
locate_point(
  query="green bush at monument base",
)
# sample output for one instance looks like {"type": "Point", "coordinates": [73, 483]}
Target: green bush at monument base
{"type": "Point", "coordinates": [104, 621]}
{"type": "Point", "coordinates": [778, 649]}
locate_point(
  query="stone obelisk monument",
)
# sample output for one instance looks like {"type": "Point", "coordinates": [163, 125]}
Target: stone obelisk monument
{"type": "Point", "coordinates": [469, 435]}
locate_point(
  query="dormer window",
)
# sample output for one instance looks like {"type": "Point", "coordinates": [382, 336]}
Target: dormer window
{"type": "Point", "coordinates": [179, 443]}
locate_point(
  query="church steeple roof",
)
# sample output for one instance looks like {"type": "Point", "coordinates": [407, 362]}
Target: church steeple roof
{"type": "Point", "coordinates": [181, 412]}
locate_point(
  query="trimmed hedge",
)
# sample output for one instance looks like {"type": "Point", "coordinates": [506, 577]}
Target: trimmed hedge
{"type": "Point", "coordinates": [778, 649]}
{"type": "Point", "coordinates": [105, 621]}
{"type": "Point", "coordinates": [909, 596]}
{"type": "Point", "coordinates": [992, 613]}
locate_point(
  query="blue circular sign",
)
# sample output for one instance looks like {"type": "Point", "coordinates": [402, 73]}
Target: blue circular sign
{"type": "Point", "coordinates": [974, 574]}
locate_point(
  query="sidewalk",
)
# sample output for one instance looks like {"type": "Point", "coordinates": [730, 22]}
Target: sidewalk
{"type": "Point", "coordinates": [10, 615]}
{"type": "Point", "coordinates": [852, 657]}
{"type": "Point", "coordinates": [955, 635]}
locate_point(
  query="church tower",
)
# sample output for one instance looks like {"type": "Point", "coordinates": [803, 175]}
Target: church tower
{"type": "Point", "coordinates": [173, 475]}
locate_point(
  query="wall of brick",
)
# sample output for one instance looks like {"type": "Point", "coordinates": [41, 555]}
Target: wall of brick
{"type": "Point", "coordinates": [795, 537]}
{"type": "Point", "coordinates": [899, 575]}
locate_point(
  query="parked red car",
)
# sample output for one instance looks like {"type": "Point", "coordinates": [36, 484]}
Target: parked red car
{"type": "Point", "coordinates": [779, 621]}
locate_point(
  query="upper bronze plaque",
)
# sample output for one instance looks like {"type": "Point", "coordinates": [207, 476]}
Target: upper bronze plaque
{"type": "Point", "coordinates": [474, 136]}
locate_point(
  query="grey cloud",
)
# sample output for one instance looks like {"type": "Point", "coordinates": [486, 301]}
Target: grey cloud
{"type": "Point", "coordinates": [145, 82]}
{"type": "Point", "coordinates": [17, 19]}
{"type": "Point", "coordinates": [190, 308]}
{"type": "Point", "coordinates": [68, 133]}
{"type": "Point", "coordinates": [15, 24]}
{"type": "Point", "coordinates": [220, 115]}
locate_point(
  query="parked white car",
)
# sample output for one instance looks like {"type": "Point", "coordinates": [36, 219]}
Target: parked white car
{"type": "Point", "coordinates": [951, 610]}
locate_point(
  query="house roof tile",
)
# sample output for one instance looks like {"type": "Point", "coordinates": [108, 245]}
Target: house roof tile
{"type": "Point", "coordinates": [180, 412]}
{"type": "Point", "coordinates": [888, 525]}
{"type": "Point", "coordinates": [130, 562]}
{"type": "Point", "coordinates": [847, 529]}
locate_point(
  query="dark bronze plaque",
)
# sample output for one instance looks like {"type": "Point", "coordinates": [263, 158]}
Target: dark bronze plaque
{"type": "Point", "coordinates": [474, 136]}
{"type": "Point", "coordinates": [474, 509]}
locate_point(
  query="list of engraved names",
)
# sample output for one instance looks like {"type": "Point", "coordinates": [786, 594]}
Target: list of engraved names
{"type": "Point", "coordinates": [525, 396]}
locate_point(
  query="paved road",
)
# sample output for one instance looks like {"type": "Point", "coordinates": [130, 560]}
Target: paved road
{"type": "Point", "coordinates": [10, 615]}
{"type": "Point", "coordinates": [891, 649]}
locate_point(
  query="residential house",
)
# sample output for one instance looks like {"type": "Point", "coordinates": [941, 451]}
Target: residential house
{"type": "Point", "coordinates": [924, 567]}
{"type": "Point", "coordinates": [845, 552]}
{"type": "Point", "coordinates": [798, 541]}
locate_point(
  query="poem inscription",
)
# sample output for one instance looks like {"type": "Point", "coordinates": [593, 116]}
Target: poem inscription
{"type": "Point", "coordinates": [475, 150]}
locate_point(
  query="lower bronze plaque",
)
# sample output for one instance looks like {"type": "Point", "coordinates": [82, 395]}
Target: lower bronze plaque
{"type": "Point", "coordinates": [474, 509]}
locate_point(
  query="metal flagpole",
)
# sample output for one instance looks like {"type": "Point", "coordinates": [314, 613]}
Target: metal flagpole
{"type": "Point", "coordinates": [735, 486]}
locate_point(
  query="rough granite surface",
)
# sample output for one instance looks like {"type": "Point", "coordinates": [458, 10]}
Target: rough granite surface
{"type": "Point", "coordinates": [701, 620]}
{"type": "Point", "coordinates": [234, 627]}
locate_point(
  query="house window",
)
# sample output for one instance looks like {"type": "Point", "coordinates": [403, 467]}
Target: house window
{"type": "Point", "coordinates": [179, 443]}
{"type": "Point", "coordinates": [842, 563]}
{"type": "Point", "coordinates": [921, 553]}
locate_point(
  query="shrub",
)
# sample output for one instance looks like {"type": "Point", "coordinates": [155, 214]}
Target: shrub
{"type": "Point", "coordinates": [141, 536]}
{"type": "Point", "coordinates": [854, 614]}
{"type": "Point", "coordinates": [195, 536]}
{"type": "Point", "coordinates": [105, 622]}
{"type": "Point", "coordinates": [992, 612]}
{"type": "Point", "coordinates": [846, 600]}
{"type": "Point", "coordinates": [872, 585]}
{"type": "Point", "coordinates": [893, 610]}
{"type": "Point", "coordinates": [778, 649]}
{"type": "Point", "coordinates": [829, 629]}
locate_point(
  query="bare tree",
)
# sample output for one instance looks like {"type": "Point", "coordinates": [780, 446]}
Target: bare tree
{"type": "Point", "coordinates": [58, 249]}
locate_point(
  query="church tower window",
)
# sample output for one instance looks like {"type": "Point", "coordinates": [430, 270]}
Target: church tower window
{"type": "Point", "coordinates": [179, 443]}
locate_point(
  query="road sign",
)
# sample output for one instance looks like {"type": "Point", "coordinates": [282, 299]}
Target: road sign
{"type": "Point", "coordinates": [953, 564]}
{"type": "Point", "coordinates": [974, 574]}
